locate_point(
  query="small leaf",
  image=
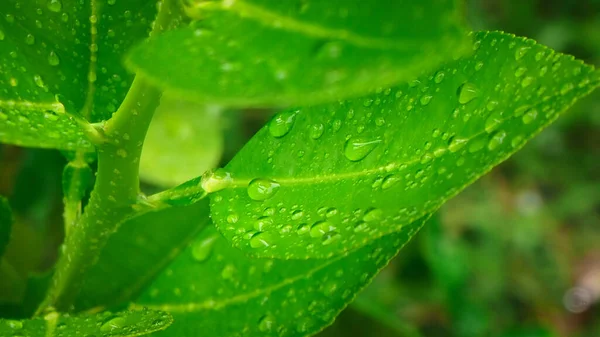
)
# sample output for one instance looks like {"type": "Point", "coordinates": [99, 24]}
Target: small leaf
{"type": "Point", "coordinates": [184, 138]}
{"type": "Point", "coordinates": [125, 323]}
{"type": "Point", "coordinates": [272, 52]}
{"type": "Point", "coordinates": [327, 179]}
{"type": "Point", "coordinates": [138, 251]}
{"type": "Point", "coordinates": [64, 58]}
{"type": "Point", "coordinates": [5, 224]}
{"type": "Point", "coordinates": [212, 283]}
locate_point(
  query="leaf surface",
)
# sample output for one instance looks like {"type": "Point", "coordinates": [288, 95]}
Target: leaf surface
{"type": "Point", "coordinates": [5, 224]}
{"type": "Point", "coordinates": [138, 251]}
{"type": "Point", "coordinates": [322, 180]}
{"type": "Point", "coordinates": [271, 52]}
{"type": "Point", "coordinates": [60, 56]}
{"type": "Point", "coordinates": [214, 289]}
{"type": "Point", "coordinates": [184, 138]}
{"type": "Point", "coordinates": [126, 323]}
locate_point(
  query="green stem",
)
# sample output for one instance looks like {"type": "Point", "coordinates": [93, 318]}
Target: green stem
{"type": "Point", "coordinates": [116, 188]}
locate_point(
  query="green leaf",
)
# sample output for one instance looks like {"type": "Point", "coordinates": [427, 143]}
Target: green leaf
{"type": "Point", "coordinates": [271, 52]}
{"type": "Point", "coordinates": [61, 56]}
{"type": "Point", "coordinates": [327, 179]}
{"type": "Point", "coordinates": [5, 224]}
{"type": "Point", "coordinates": [215, 290]}
{"type": "Point", "coordinates": [138, 251]}
{"type": "Point", "coordinates": [126, 323]}
{"type": "Point", "coordinates": [184, 138]}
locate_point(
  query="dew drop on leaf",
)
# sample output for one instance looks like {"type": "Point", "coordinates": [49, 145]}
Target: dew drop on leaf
{"type": "Point", "coordinates": [457, 143]}
{"type": "Point", "coordinates": [282, 123]}
{"type": "Point", "coordinates": [14, 324]}
{"type": "Point", "coordinates": [467, 92]}
{"type": "Point", "coordinates": [54, 6]}
{"type": "Point", "coordinates": [492, 122]}
{"type": "Point", "coordinates": [320, 228]}
{"type": "Point", "coordinates": [263, 223]}
{"type": "Point", "coordinates": [53, 59]}
{"type": "Point", "coordinates": [113, 324]}
{"type": "Point", "coordinates": [303, 228]}
{"type": "Point", "coordinates": [262, 189]}
{"type": "Point", "coordinates": [260, 240]}
{"type": "Point", "coordinates": [520, 52]}
{"type": "Point", "coordinates": [358, 148]}
{"type": "Point", "coordinates": [316, 131]}
{"type": "Point", "coordinates": [266, 323]}
{"type": "Point", "coordinates": [389, 181]}
{"type": "Point", "coordinates": [30, 39]}
{"type": "Point", "coordinates": [496, 140]}
{"type": "Point", "coordinates": [530, 116]}
{"type": "Point", "coordinates": [297, 214]}
{"type": "Point", "coordinates": [201, 250]}
{"type": "Point", "coordinates": [37, 79]}
{"type": "Point", "coordinates": [439, 77]}
{"type": "Point", "coordinates": [425, 99]}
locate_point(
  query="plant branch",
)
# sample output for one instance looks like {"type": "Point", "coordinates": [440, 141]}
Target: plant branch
{"type": "Point", "coordinates": [116, 188]}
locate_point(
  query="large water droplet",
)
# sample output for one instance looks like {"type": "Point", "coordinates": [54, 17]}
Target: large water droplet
{"type": "Point", "coordinates": [55, 6]}
{"type": "Point", "coordinates": [53, 59]}
{"type": "Point", "coordinates": [201, 250]}
{"type": "Point", "coordinates": [263, 223]}
{"type": "Point", "coordinates": [496, 140]}
{"type": "Point", "coordinates": [389, 181]}
{"type": "Point", "coordinates": [113, 324]}
{"type": "Point", "coordinates": [493, 121]}
{"type": "Point", "coordinates": [260, 240]}
{"type": "Point", "coordinates": [374, 214]}
{"type": "Point", "coordinates": [215, 180]}
{"type": "Point", "coordinates": [266, 323]}
{"type": "Point", "coordinates": [467, 92]}
{"type": "Point", "coordinates": [37, 79]}
{"type": "Point", "coordinates": [320, 228]}
{"type": "Point", "coordinates": [425, 99]}
{"type": "Point", "coordinates": [530, 116]}
{"type": "Point", "coordinates": [29, 39]}
{"type": "Point", "coordinates": [282, 123]}
{"type": "Point", "coordinates": [316, 131]}
{"type": "Point", "coordinates": [520, 52]}
{"type": "Point", "coordinates": [457, 143]}
{"type": "Point", "coordinates": [297, 215]}
{"type": "Point", "coordinates": [262, 189]}
{"type": "Point", "coordinates": [358, 148]}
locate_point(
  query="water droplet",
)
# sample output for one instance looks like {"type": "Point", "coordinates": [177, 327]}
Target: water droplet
{"type": "Point", "coordinates": [201, 250]}
{"type": "Point", "coordinates": [260, 240]}
{"type": "Point", "coordinates": [297, 215]}
{"type": "Point", "coordinates": [2, 35]}
{"type": "Point", "coordinates": [113, 324]}
{"type": "Point", "coordinates": [37, 79]}
{"type": "Point", "coordinates": [266, 323]}
{"type": "Point", "coordinates": [478, 66]}
{"type": "Point", "coordinates": [14, 324]}
{"type": "Point", "coordinates": [516, 141]}
{"type": "Point", "coordinates": [112, 2]}
{"type": "Point", "coordinates": [493, 121]}
{"type": "Point", "coordinates": [491, 106]}
{"type": "Point", "coordinates": [361, 226]}
{"type": "Point", "coordinates": [263, 223]}
{"type": "Point", "coordinates": [330, 238]}
{"type": "Point", "coordinates": [282, 123]}
{"type": "Point", "coordinates": [320, 228]}
{"type": "Point", "coordinates": [374, 214]}
{"type": "Point", "coordinates": [530, 116]}
{"type": "Point", "coordinates": [478, 143]}
{"type": "Point", "coordinates": [496, 140]}
{"type": "Point", "coordinates": [520, 52]}
{"type": "Point", "coordinates": [232, 218]}
{"type": "Point", "coordinates": [467, 92]}
{"type": "Point", "coordinates": [316, 131]}
{"type": "Point", "coordinates": [53, 59]}
{"type": "Point", "coordinates": [439, 77]}
{"type": "Point", "coordinates": [262, 189]}
{"type": "Point", "coordinates": [527, 81]}
{"type": "Point", "coordinates": [9, 18]}
{"type": "Point", "coordinates": [566, 88]}
{"type": "Point", "coordinates": [303, 228]}
{"type": "Point", "coordinates": [30, 39]}
{"type": "Point", "coordinates": [55, 6]}
{"type": "Point", "coordinates": [520, 71]}
{"type": "Point", "coordinates": [215, 180]}
{"type": "Point", "coordinates": [456, 143]}
{"type": "Point", "coordinates": [425, 99]}
{"type": "Point", "coordinates": [389, 181]}
{"type": "Point", "coordinates": [358, 148]}
{"type": "Point", "coordinates": [228, 272]}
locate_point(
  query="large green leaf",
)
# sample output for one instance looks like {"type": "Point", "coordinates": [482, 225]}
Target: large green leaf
{"type": "Point", "coordinates": [61, 56]}
{"type": "Point", "coordinates": [272, 52]}
{"type": "Point", "coordinates": [213, 289]}
{"type": "Point", "coordinates": [5, 224]}
{"type": "Point", "coordinates": [138, 251]}
{"type": "Point", "coordinates": [322, 180]}
{"type": "Point", "coordinates": [184, 138]}
{"type": "Point", "coordinates": [126, 323]}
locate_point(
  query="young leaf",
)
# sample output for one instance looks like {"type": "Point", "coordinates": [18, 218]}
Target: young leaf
{"type": "Point", "coordinates": [272, 52]}
{"type": "Point", "coordinates": [184, 138]}
{"type": "Point", "coordinates": [5, 224]}
{"type": "Point", "coordinates": [58, 56]}
{"type": "Point", "coordinates": [138, 251]}
{"type": "Point", "coordinates": [212, 283]}
{"type": "Point", "coordinates": [327, 179]}
{"type": "Point", "coordinates": [126, 323]}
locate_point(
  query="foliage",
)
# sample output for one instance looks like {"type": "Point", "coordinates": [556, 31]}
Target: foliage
{"type": "Point", "coordinates": [384, 112]}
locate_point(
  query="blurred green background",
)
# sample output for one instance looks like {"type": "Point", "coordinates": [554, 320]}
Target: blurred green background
{"type": "Point", "coordinates": [515, 254]}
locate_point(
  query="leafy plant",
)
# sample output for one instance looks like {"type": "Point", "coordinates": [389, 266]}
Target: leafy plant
{"type": "Point", "coordinates": [385, 112]}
